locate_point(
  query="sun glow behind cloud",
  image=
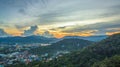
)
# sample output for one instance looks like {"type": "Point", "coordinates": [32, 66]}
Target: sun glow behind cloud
{"type": "Point", "coordinates": [60, 34]}
{"type": "Point", "coordinates": [60, 17]}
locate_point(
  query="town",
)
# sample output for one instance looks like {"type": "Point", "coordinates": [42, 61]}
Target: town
{"type": "Point", "coordinates": [13, 54]}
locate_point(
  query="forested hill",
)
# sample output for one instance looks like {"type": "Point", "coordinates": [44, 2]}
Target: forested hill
{"type": "Point", "coordinates": [63, 45]}
{"type": "Point", "coordinates": [72, 43]}
{"type": "Point", "coordinates": [89, 56]}
{"type": "Point", "coordinates": [109, 62]}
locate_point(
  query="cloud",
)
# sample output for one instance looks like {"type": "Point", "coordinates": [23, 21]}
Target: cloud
{"type": "Point", "coordinates": [58, 28]}
{"type": "Point", "coordinates": [111, 11]}
{"type": "Point", "coordinates": [72, 11]}
{"type": "Point", "coordinates": [30, 31]}
{"type": "Point", "coordinates": [102, 27]}
{"type": "Point", "coordinates": [3, 33]}
{"type": "Point", "coordinates": [49, 12]}
{"type": "Point", "coordinates": [47, 34]}
{"type": "Point", "coordinates": [24, 13]}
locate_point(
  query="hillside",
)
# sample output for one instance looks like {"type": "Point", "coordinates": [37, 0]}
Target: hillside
{"type": "Point", "coordinates": [63, 45]}
{"type": "Point", "coordinates": [109, 62]}
{"type": "Point", "coordinates": [89, 55]}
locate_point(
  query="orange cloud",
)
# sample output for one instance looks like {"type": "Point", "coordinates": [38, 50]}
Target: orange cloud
{"type": "Point", "coordinates": [13, 32]}
{"type": "Point", "coordinates": [62, 34]}
{"type": "Point", "coordinates": [57, 34]}
{"type": "Point", "coordinates": [111, 33]}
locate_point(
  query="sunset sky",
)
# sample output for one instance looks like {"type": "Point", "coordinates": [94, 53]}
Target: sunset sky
{"type": "Point", "coordinates": [59, 18]}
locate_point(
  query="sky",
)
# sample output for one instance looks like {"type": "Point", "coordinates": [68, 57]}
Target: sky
{"type": "Point", "coordinates": [59, 18]}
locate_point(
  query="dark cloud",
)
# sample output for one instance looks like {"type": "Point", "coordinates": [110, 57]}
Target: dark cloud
{"type": "Point", "coordinates": [62, 15]}
{"type": "Point", "coordinates": [102, 27]}
{"type": "Point", "coordinates": [47, 34]}
{"type": "Point", "coordinates": [4, 24]}
{"type": "Point", "coordinates": [44, 2]}
{"type": "Point", "coordinates": [62, 27]}
{"type": "Point", "coordinates": [111, 11]}
{"type": "Point", "coordinates": [3, 33]}
{"type": "Point", "coordinates": [49, 12]}
{"type": "Point", "coordinates": [58, 28]}
{"type": "Point", "coordinates": [20, 26]}
{"type": "Point", "coordinates": [30, 31]}
{"type": "Point", "coordinates": [22, 11]}
{"type": "Point", "coordinates": [71, 9]}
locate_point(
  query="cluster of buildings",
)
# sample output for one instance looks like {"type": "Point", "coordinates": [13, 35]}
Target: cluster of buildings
{"type": "Point", "coordinates": [12, 54]}
{"type": "Point", "coordinates": [56, 55]}
{"type": "Point", "coordinates": [19, 54]}
{"type": "Point", "coordinates": [12, 58]}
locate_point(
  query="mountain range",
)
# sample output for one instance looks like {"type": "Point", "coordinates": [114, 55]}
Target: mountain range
{"type": "Point", "coordinates": [25, 40]}
{"type": "Point", "coordinates": [90, 38]}
{"type": "Point", "coordinates": [41, 39]}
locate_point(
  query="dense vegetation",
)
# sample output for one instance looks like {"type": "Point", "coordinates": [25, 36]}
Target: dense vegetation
{"type": "Point", "coordinates": [91, 56]}
{"type": "Point", "coordinates": [63, 45]}
{"type": "Point", "coordinates": [109, 62]}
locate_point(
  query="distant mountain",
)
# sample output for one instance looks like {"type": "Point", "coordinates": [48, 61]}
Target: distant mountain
{"type": "Point", "coordinates": [25, 40]}
{"type": "Point", "coordinates": [41, 39]}
{"type": "Point", "coordinates": [90, 38]}
{"type": "Point", "coordinates": [62, 45]}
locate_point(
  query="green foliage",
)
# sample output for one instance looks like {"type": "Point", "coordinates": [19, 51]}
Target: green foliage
{"type": "Point", "coordinates": [109, 62]}
{"type": "Point", "coordinates": [63, 45]}
{"type": "Point", "coordinates": [91, 54]}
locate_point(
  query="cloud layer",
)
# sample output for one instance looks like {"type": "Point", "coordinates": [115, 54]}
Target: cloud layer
{"type": "Point", "coordinates": [3, 33]}
{"type": "Point", "coordinates": [60, 16]}
{"type": "Point", "coordinates": [30, 31]}
{"type": "Point", "coordinates": [47, 34]}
